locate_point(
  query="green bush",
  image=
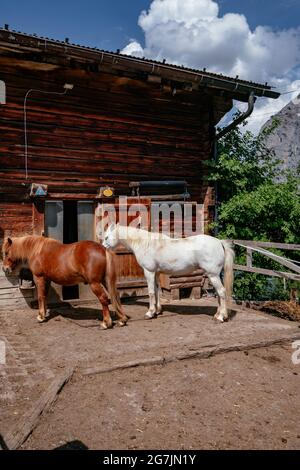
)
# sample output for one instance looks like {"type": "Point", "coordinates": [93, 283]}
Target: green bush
{"type": "Point", "coordinates": [256, 201]}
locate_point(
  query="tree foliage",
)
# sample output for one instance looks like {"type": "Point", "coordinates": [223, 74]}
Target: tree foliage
{"type": "Point", "coordinates": [257, 201]}
{"type": "Point", "coordinates": [243, 163]}
{"type": "Point", "coordinates": [271, 212]}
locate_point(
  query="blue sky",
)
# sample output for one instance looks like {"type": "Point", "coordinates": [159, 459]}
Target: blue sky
{"type": "Point", "coordinates": [111, 24]}
{"type": "Point", "coordinates": [278, 14]}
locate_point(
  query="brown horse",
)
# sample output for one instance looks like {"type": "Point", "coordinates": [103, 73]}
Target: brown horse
{"type": "Point", "coordinates": [51, 260]}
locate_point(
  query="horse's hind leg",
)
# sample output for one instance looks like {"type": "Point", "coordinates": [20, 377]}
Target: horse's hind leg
{"type": "Point", "coordinates": [150, 278]}
{"type": "Point", "coordinates": [221, 314]}
{"type": "Point", "coordinates": [99, 291]}
{"type": "Point", "coordinates": [41, 285]}
{"type": "Point", "coordinates": [122, 317]}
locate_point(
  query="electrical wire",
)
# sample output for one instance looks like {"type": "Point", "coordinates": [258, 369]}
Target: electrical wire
{"type": "Point", "coordinates": [25, 120]}
{"type": "Point", "coordinates": [291, 91]}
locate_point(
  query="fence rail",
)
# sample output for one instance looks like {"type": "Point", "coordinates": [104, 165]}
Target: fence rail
{"type": "Point", "coordinates": [260, 247]}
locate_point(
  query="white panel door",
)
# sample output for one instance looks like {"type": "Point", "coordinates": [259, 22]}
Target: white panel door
{"type": "Point", "coordinates": [54, 228]}
{"type": "Point", "coordinates": [86, 218]}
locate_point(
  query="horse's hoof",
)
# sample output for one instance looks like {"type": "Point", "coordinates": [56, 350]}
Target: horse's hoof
{"type": "Point", "coordinates": [219, 318]}
{"type": "Point", "coordinates": [40, 319]}
{"type": "Point", "coordinates": [159, 312]}
{"type": "Point", "coordinates": [150, 315]}
{"type": "Point", "coordinates": [103, 326]}
{"type": "Point", "coordinates": [121, 323]}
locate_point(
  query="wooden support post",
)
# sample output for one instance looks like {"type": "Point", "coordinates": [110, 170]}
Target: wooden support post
{"type": "Point", "coordinates": [196, 292]}
{"type": "Point", "coordinates": [249, 257]}
{"type": "Point", "coordinates": [175, 294]}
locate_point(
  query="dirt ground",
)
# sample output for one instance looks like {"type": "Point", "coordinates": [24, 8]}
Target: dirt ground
{"type": "Point", "coordinates": [230, 401]}
{"type": "Point", "coordinates": [210, 385]}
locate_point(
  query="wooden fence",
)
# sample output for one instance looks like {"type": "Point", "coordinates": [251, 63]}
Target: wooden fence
{"type": "Point", "coordinates": [260, 247]}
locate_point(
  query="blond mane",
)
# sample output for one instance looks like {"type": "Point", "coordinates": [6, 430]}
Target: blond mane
{"type": "Point", "coordinates": [140, 237]}
{"type": "Point", "coordinates": [24, 247]}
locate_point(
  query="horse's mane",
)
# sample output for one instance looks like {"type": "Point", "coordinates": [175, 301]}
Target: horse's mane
{"type": "Point", "coordinates": [141, 237]}
{"type": "Point", "coordinates": [27, 246]}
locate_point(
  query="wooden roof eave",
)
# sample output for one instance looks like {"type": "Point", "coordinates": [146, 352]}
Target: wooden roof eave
{"type": "Point", "coordinates": [50, 50]}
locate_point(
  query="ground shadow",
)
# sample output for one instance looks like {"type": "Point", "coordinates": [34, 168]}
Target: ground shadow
{"type": "Point", "coordinates": [191, 309]}
{"type": "Point", "coordinates": [78, 313]}
{"type": "Point", "coordinates": [66, 310]}
{"type": "Point", "coordinates": [75, 313]}
{"type": "Point", "coordinates": [72, 445]}
{"type": "Point", "coordinates": [3, 445]}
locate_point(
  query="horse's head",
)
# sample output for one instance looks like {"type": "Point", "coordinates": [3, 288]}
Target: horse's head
{"type": "Point", "coordinates": [9, 262]}
{"type": "Point", "coordinates": [111, 236]}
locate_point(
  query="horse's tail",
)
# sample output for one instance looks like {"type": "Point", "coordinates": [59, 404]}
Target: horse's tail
{"type": "Point", "coordinates": [111, 282]}
{"type": "Point", "coordinates": [228, 268]}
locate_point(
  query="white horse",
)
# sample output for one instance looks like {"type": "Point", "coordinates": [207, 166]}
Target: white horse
{"type": "Point", "coordinates": [157, 253]}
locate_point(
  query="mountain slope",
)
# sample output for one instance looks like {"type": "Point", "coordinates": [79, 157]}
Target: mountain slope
{"type": "Point", "coordinates": [285, 140]}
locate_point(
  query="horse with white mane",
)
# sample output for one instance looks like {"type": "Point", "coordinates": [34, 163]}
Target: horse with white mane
{"type": "Point", "coordinates": [157, 253]}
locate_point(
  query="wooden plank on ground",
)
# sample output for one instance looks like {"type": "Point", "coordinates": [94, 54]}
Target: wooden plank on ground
{"type": "Point", "coordinates": [201, 353]}
{"type": "Point", "coordinates": [15, 438]}
{"type": "Point", "coordinates": [8, 282]}
{"type": "Point", "coordinates": [15, 293]}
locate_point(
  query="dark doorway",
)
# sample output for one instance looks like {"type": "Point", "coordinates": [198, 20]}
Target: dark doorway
{"type": "Point", "coordinates": [70, 235]}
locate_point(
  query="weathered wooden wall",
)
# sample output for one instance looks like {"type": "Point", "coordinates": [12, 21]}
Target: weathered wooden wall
{"type": "Point", "coordinates": [107, 130]}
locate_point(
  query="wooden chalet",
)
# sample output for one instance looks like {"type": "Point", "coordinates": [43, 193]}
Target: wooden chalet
{"type": "Point", "coordinates": [80, 125]}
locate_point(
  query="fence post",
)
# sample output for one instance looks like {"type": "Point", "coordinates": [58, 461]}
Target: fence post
{"type": "Point", "coordinates": [249, 257]}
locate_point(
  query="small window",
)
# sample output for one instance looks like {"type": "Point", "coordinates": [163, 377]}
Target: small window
{"type": "Point", "coordinates": [2, 92]}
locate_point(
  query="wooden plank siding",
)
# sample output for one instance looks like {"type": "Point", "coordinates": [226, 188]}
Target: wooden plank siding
{"type": "Point", "coordinates": [15, 219]}
{"type": "Point", "coordinates": [107, 130]}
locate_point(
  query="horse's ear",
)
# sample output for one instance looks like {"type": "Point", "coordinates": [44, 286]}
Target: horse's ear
{"type": "Point", "coordinates": [9, 241]}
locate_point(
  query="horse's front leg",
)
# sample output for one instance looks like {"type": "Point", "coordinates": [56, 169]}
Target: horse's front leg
{"type": "Point", "coordinates": [150, 278]}
{"type": "Point", "coordinates": [157, 295]}
{"type": "Point", "coordinates": [41, 286]}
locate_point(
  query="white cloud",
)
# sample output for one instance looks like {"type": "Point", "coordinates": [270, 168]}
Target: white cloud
{"type": "Point", "coordinates": [133, 48]}
{"type": "Point", "coordinates": [192, 33]}
{"type": "Point", "coordinates": [187, 11]}
{"type": "Point", "coordinates": [266, 108]}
